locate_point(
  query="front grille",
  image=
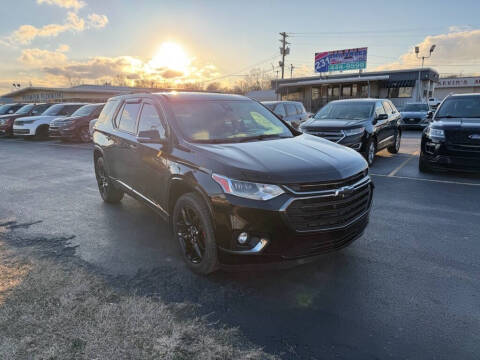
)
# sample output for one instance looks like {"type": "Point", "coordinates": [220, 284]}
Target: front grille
{"type": "Point", "coordinates": [334, 136]}
{"type": "Point", "coordinates": [462, 137]}
{"type": "Point", "coordinates": [334, 210]}
{"type": "Point", "coordinates": [21, 131]}
{"type": "Point", "coordinates": [326, 185]}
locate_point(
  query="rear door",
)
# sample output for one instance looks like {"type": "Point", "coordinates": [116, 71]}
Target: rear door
{"type": "Point", "coordinates": [152, 174]}
{"type": "Point", "coordinates": [123, 149]}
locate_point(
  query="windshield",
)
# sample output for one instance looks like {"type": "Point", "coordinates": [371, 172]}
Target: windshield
{"type": "Point", "coordinates": [460, 107]}
{"type": "Point", "coordinates": [220, 121]}
{"type": "Point", "coordinates": [7, 109]}
{"type": "Point", "coordinates": [25, 109]}
{"type": "Point", "coordinates": [345, 111]}
{"type": "Point", "coordinates": [61, 110]}
{"type": "Point", "coordinates": [416, 107]}
{"type": "Point", "coordinates": [85, 110]}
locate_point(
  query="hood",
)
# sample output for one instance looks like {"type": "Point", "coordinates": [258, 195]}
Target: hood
{"type": "Point", "coordinates": [40, 118]}
{"type": "Point", "coordinates": [457, 124]}
{"type": "Point", "coordinates": [413, 113]}
{"type": "Point", "coordinates": [332, 123]}
{"type": "Point", "coordinates": [300, 159]}
{"type": "Point", "coordinates": [77, 118]}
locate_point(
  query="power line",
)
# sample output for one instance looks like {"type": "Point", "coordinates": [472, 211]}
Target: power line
{"type": "Point", "coordinates": [242, 70]}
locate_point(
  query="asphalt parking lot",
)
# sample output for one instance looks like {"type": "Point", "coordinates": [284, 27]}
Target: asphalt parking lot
{"type": "Point", "coordinates": [409, 288]}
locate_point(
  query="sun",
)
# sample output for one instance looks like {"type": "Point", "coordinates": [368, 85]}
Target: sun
{"type": "Point", "coordinates": [171, 55]}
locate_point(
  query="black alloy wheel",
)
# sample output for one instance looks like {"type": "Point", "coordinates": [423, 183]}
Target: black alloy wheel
{"type": "Point", "coordinates": [191, 234]}
{"type": "Point", "coordinates": [107, 190]}
{"type": "Point", "coordinates": [192, 226]}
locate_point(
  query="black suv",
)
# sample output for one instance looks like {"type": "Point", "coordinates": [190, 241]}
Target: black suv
{"type": "Point", "coordinates": [366, 125]}
{"type": "Point", "coordinates": [238, 185]}
{"type": "Point", "coordinates": [452, 139]}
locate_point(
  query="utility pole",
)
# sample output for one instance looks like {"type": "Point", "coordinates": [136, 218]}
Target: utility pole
{"type": "Point", "coordinates": [291, 70]}
{"type": "Point", "coordinates": [284, 50]}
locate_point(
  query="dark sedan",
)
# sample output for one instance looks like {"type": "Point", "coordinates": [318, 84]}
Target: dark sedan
{"type": "Point", "coordinates": [452, 140]}
{"type": "Point", "coordinates": [365, 125]}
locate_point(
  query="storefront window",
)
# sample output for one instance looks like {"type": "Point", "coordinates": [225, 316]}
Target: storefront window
{"type": "Point", "coordinates": [354, 90]}
{"type": "Point", "coordinates": [347, 91]}
{"type": "Point", "coordinates": [401, 92]}
{"type": "Point", "coordinates": [364, 91]}
{"type": "Point", "coordinates": [315, 93]}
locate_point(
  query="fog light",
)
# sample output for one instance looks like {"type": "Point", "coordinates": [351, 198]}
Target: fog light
{"type": "Point", "coordinates": [242, 238]}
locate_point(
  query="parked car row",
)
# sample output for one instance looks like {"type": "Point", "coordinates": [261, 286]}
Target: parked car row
{"type": "Point", "coordinates": [450, 139]}
{"type": "Point", "coordinates": [67, 121]}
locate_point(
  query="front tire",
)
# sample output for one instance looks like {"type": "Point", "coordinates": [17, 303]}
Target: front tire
{"type": "Point", "coordinates": [423, 166]}
{"type": "Point", "coordinates": [192, 226]}
{"type": "Point", "coordinates": [41, 133]}
{"type": "Point", "coordinates": [108, 191]}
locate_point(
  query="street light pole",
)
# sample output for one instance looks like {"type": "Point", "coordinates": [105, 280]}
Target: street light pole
{"type": "Point", "coordinates": [417, 51]}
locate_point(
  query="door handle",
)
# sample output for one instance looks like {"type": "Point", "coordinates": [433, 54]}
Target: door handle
{"type": "Point", "coordinates": [132, 146]}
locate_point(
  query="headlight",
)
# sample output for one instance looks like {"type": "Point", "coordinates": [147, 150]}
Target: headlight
{"type": "Point", "coordinates": [27, 121]}
{"type": "Point", "coordinates": [435, 134]}
{"type": "Point", "coordinates": [352, 132]}
{"type": "Point", "coordinates": [247, 189]}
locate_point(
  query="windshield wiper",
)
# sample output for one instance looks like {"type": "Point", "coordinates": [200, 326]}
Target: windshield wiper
{"type": "Point", "coordinates": [260, 137]}
{"type": "Point", "coordinates": [447, 117]}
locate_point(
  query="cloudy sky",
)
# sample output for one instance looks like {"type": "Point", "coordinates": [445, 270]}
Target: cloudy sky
{"type": "Point", "coordinates": [59, 42]}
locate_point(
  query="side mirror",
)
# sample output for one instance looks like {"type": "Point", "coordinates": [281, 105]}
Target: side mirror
{"type": "Point", "coordinates": [430, 114]}
{"type": "Point", "coordinates": [150, 137]}
{"type": "Point", "coordinates": [381, 117]}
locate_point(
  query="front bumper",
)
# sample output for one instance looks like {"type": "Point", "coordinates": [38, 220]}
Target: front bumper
{"type": "Point", "coordinates": [24, 130]}
{"type": "Point", "coordinates": [286, 239]}
{"type": "Point", "coordinates": [59, 132]}
{"type": "Point", "coordinates": [414, 124]}
{"type": "Point", "coordinates": [449, 156]}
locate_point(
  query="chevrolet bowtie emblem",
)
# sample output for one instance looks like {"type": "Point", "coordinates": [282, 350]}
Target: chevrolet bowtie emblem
{"type": "Point", "coordinates": [346, 190]}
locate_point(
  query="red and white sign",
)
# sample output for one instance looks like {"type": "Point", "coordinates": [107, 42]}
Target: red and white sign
{"type": "Point", "coordinates": [458, 82]}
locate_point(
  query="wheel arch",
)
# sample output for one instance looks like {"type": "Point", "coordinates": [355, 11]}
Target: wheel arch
{"type": "Point", "coordinates": [179, 186]}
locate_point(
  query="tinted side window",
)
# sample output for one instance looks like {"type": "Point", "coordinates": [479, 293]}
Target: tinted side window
{"type": "Point", "coordinates": [128, 117]}
{"type": "Point", "coordinates": [280, 110]}
{"type": "Point", "coordinates": [107, 112]}
{"type": "Point", "coordinates": [392, 105]}
{"type": "Point", "coordinates": [291, 109]}
{"type": "Point", "coordinates": [379, 109]}
{"type": "Point", "coordinates": [300, 109]}
{"type": "Point", "coordinates": [387, 107]}
{"type": "Point", "coordinates": [69, 109]}
{"type": "Point", "coordinates": [150, 121]}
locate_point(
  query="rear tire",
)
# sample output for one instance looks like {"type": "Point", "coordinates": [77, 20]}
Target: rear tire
{"type": "Point", "coordinates": [108, 191]}
{"type": "Point", "coordinates": [193, 229]}
{"type": "Point", "coordinates": [395, 148]}
{"type": "Point", "coordinates": [370, 151]}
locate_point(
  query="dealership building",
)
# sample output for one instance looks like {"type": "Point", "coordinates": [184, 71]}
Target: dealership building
{"type": "Point", "coordinates": [456, 85]}
{"type": "Point", "coordinates": [81, 93]}
{"type": "Point", "coordinates": [400, 86]}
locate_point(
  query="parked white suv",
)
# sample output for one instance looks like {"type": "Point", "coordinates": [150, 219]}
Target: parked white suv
{"type": "Point", "coordinates": [37, 126]}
